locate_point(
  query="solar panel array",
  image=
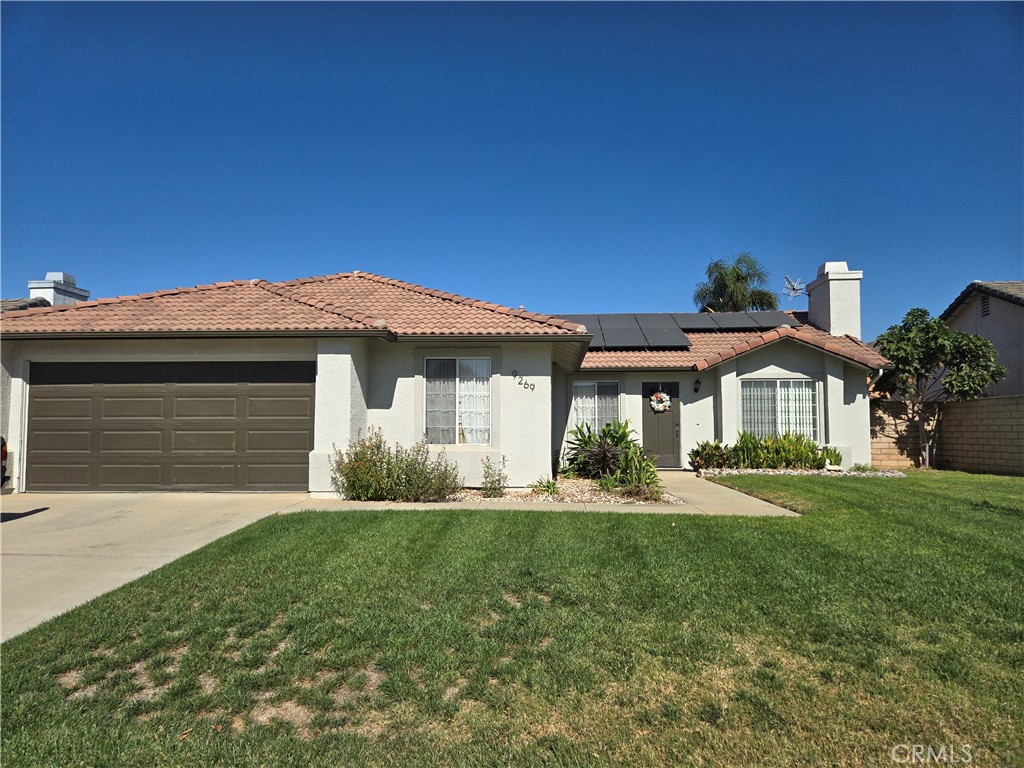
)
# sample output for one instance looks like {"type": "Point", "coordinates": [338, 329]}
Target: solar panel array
{"type": "Point", "coordinates": [664, 330]}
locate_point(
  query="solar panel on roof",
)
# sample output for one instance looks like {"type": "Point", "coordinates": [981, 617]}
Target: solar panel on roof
{"type": "Point", "coordinates": [593, 327]}
{"type": "Point", "coordinates": [774, 319]}
{"type": "Point", "coordinates": [661, 331]}
{"type": "Point", "coordinates": [619, 334]}
{"type": "Point", "coordinates": [618, 320]}
{"type": "Point", "coordinates": [734, 321]}
{"type": "Point", "coordinates": [694, 321]}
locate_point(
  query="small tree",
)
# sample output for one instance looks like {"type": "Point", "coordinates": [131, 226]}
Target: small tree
{"type": "Point", "coordinates": [735, 287]}
{"type": "Point", "coordinates": [932, 365]}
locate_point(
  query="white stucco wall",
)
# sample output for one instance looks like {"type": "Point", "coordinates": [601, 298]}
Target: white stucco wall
{"type": "Point", "coordinates": [1004, 327]}
{"type": "Point", "coordinates": [341, 374]}
{"type": "Point", "coordinates": [843, 417]}
{"type": "Point", "coordinates": [697, 414]}
{"type": "Point", "coordinates": [521, 416]}
{"type": "Point", "coordinates": [714, 411]}
{"type": "Point", "coordinates": [361, 384]}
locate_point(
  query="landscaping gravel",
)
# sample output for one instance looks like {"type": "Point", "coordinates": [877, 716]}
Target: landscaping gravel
{"type": "Point", "coordinates": [818, 472]}
{"type": "Point", "coordinates": [569, 492]}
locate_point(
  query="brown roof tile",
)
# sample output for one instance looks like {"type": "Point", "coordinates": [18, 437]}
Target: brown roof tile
{"type": "Point", "coordinates": [709, 348]}
{"type": "Point", "coordinates": [355, 301]}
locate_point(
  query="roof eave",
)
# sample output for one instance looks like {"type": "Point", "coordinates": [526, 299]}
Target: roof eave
{"type": "Point", "coordinates": [290, 333]}
{"type": "Point", "coordinates": [967, 292]}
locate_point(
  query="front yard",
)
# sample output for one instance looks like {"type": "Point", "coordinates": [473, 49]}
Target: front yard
{"type": "Point", "coordinates": [890, 614]}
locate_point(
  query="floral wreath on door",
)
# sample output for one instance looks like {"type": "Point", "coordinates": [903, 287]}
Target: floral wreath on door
{"type": "Point", "coordinates": [660, 402]}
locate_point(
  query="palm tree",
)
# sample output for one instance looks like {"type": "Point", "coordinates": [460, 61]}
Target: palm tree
{"type": "Point", "coordinates": [735, 287]}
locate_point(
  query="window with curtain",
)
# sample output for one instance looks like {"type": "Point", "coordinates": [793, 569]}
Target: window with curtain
{"type": "Point", "coordinates": [774, 407]}
{"type": "Point", "coordinates": [595, 403]}
{"type": "Point", "coordinates": [458, 400]}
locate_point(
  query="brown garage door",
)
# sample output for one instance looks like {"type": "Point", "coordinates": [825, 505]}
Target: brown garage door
{"type": "Point", "coordinates": [231, 426]}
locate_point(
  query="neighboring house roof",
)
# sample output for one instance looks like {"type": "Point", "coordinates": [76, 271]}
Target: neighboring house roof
{"type": "Point", "coordinates": [709, 348]}
{"type": "Point", "coordinates": [1007, 290]}
{"type": "Point", "coordinates": [12, 305]}
{"type": "Point", "coordinates": [349, 303]}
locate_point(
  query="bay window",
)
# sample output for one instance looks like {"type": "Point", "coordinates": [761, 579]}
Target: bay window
{"type": "Point", "coordinates": [458, 400]}
{"type": "Point", "coordinates": [772, 407]}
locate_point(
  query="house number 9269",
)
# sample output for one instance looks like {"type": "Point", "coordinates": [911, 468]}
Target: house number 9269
{"type": "Point", "coordinates": [523, 382]}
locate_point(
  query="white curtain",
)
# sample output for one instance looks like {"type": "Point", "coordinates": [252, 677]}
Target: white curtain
{"type": "Point", "coordinates": [440, 402]}
{"type": "Point", "coordinates": [770, 408]}
{"type": "Point", "coordinates": [595, 403]}
{"type": "Point", "coordinates": [607, 403]}
{"type": "Point", "coordinates": [798, 411]}
{"type": "Point", "coordinates": [584, 404]}
{"type": "Point", "coordinates": [475, 401]}
{"type": "Point", "coordinates": [758, 410]}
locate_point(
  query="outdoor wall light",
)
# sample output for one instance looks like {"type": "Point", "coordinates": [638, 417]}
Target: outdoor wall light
{"type": "Point", "coordinates": [696, 386]}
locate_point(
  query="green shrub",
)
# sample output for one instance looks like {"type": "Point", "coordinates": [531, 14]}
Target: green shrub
{"type": "Point", "coordinates": [637, 469]}
{"type": "Point", "coordinates": [788, 451]}
{"type": "Point", "coordinates": [859, 467]}
{"type": "Point", "coordinates": [594, 454]}
{"type": "Point", "coordinates": [708, 455]}
{"type": "Point", "coordinates": [833, 456]}
{"type": "Point", "coordinates": [546, 485]}
{"type": "Point", "coordinates": [748, 452]}
{"type": "Point", "coordinates": [495, 480]}
{"type": "Point", "coordinates": [371, 470]}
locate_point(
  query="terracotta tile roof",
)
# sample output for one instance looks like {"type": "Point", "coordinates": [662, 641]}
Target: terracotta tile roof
{"type": "Point", "coordinates": [709, 348]}
{"type": "Point", "coordinates": [1007, 290]}
{"type": "Point", "coordinates": [414, 310]}
{"type": "Point", "coordinates": [343, 302]}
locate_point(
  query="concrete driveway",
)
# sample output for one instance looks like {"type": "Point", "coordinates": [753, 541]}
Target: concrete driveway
{"type": "Point", "coordinates": [61, 550]}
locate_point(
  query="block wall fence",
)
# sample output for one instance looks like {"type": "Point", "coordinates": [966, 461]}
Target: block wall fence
{"type": "Point", "coordinates": [985, 435]}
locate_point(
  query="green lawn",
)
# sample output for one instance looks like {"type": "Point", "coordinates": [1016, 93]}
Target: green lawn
{"type": "Point", "coordinates": [891, 613]}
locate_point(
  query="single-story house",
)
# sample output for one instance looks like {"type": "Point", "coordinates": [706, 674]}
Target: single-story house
{"type": "Point", "coordinates": [249, 385]}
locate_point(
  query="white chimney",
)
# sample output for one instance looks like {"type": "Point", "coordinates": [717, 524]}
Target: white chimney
{"type": "Point", "coordinates": [833, 299]}
{"type": "Point", "coordinates": [57, 288]}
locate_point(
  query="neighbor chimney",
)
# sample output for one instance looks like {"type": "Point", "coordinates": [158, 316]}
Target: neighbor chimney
{"type": "Point", "coordinates": [833, 299]}
{"type": "Point", "coordinates": [57, 288]}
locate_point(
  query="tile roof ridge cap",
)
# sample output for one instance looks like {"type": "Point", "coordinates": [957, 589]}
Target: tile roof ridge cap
{"type": "Point", "coordinates": [490, 306]}
{"type": "Point", "coordinates": [355, 315]}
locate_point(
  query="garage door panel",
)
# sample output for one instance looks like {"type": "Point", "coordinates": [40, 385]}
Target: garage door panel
{"type": "Point", "coordinates": [131, 475]}
{"type": "Point", "coordinates": [61, 408]}
{"type": "Point", "coordinates": [261, 407]}
{"type": "Point", "coordinates": [62, 476]}
{"type": "Point", "coordinates": [204, 475]}
{"type": "Point", "coordinates": [133, 407]}
{"type": "Point", "coordinates": [197, 441]}
{"type": "Point", "coordinates": [280, 440]}
{"type": "Point", "coordinates": [271, 475]}
{"type": "Point", "coordinates": [205, 407]}
{"type": "Point", "coordinates": [146, 441]}
{"type": "Point", "coordinates": [63, 441]}
{"type": "Point", "coordinates": [196, 432]}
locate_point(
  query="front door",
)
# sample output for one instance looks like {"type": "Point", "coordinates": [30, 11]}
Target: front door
{"type": "Point", "coordinates": [661, 422]}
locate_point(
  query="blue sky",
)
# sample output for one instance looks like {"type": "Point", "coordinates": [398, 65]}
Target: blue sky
{"type": "Point", "coordinates": [568, 157]}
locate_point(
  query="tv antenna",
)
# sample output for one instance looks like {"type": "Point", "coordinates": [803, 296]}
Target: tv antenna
{"type": "Point", "coordinates": [794, 287]}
